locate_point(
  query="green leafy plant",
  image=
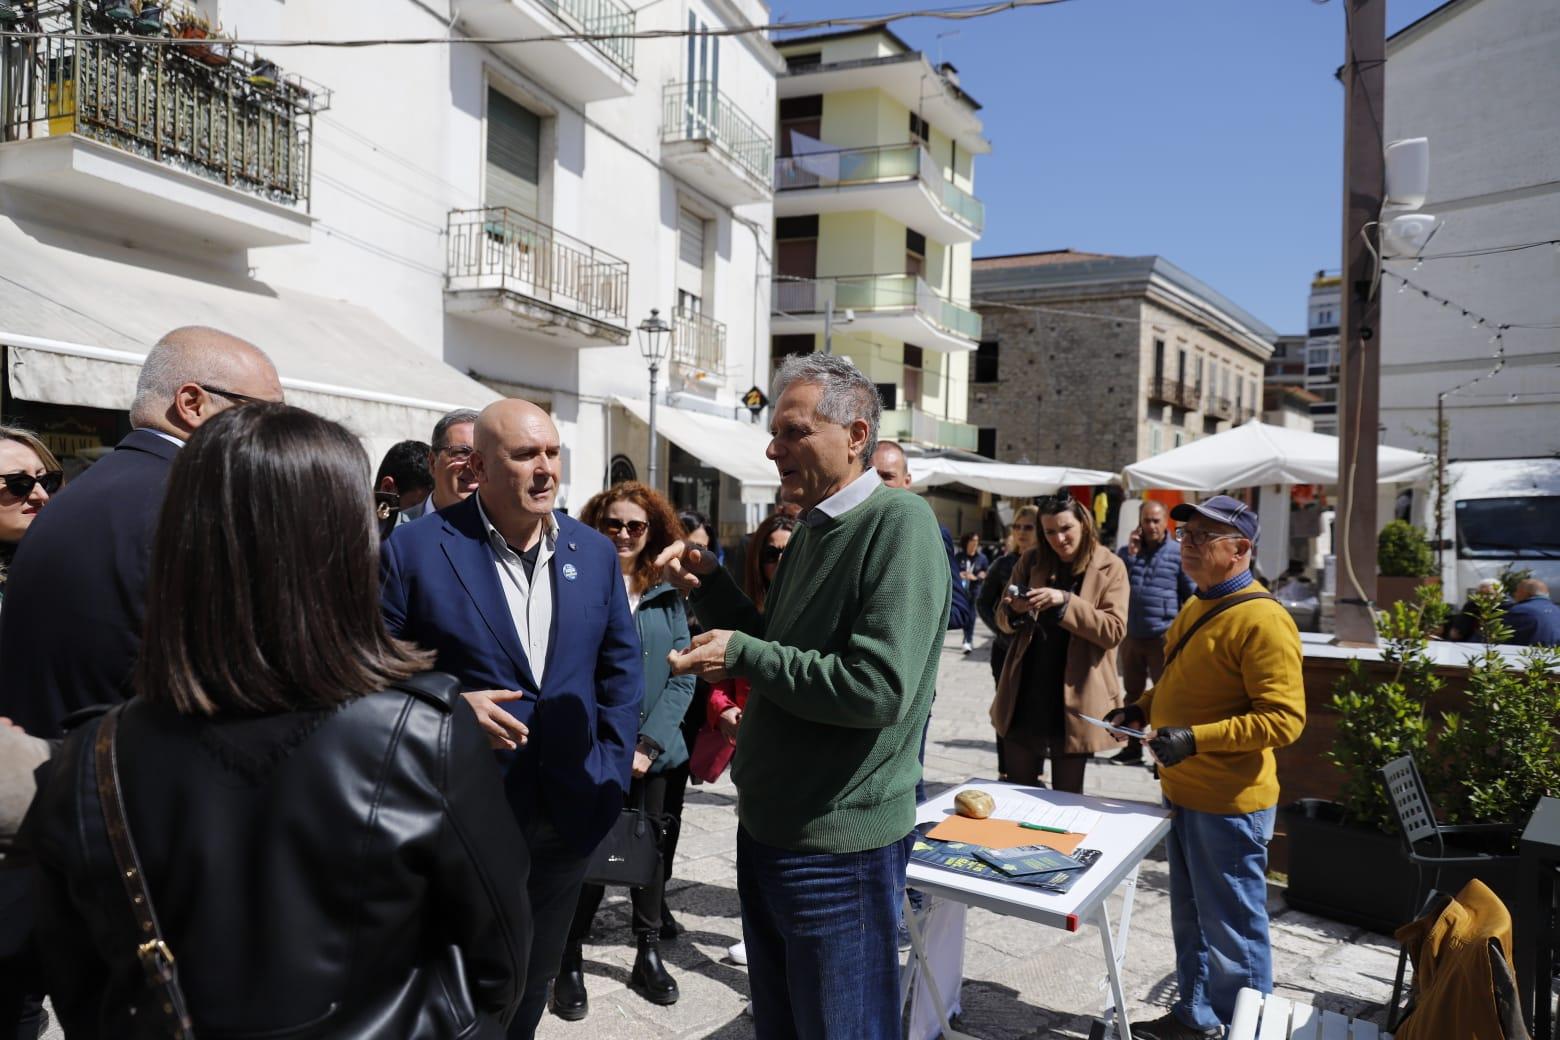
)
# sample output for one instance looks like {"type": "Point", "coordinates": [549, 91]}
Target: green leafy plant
{"type": "Point", "coordinates": [1501, 753]}
{"type": "Point", "coordinates": [1510, 576]}
{"type": "Point", "coordinates": [1403, 551]}
{"type": "Point", "coordinates": [1378, 720]}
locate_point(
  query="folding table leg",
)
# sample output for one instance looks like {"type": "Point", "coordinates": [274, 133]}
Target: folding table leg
{"type": "Point", "coordinates": [918, 955]}
{"type": "Point", "coordinates": [1115, 955]}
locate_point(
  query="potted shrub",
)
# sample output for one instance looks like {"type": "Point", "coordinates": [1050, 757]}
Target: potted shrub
{"type": "Point", "coordinates": [1403, 563]}
{"type": "Point", "coordinates": [1490, 762]}
{"type": "Point", "coordinates": [189, 24]}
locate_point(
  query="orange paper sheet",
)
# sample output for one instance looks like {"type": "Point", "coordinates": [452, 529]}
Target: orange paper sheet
{"type": "Point", "coordinates": [1001, 834]}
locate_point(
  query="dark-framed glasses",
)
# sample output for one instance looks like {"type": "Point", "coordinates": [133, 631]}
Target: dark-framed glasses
{"type": "Point", "coordinates": [612, 525]}
{"type": "Point", "coordinates": [230, 394]}
{"type": "Point", "coordinates": [1200, 538]}
{"type": "Point", "coordinates": [21, 484]}
{"type": "Point", "coordinates": [457, 453]}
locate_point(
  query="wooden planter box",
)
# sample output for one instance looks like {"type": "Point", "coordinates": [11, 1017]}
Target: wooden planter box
{"type": "Point", "coordinates": [1390, 590]}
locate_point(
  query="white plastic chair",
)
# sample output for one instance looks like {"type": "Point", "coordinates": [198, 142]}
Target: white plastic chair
{"type": "Point", "coordinates": [1263, 1016]}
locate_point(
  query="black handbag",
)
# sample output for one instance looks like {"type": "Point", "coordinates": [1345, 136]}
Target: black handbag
{"type": "Point", "coordinates": [630, 854]}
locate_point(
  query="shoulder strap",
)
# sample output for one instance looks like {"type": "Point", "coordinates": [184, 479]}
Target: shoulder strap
{"type": "Point", "coordinates": [1233, 601]}
{"type": "Point", "coordinates": [153, 953]}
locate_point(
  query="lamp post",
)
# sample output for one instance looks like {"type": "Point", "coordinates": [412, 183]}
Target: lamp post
{"type": "Point", "coordinates": [652, 347]}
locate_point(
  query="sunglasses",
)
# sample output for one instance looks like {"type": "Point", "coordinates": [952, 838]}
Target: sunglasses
{"type": "Point", "coordinates": [1201, 538]}
{"type": "Point", "coordinates": [772, 553]}
{"type": "Point", "coordinates": [231, 395]}
{"type": "Point", "coordinates": [22, 484]}
{"type": "Point", "coordinates": [635, 528]}
{"type": "Point", "coordinates": [1023, 527]}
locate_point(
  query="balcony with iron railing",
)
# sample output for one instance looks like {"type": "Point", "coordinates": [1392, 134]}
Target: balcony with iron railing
{"type": "Point", "coordinates": [153, 127]}
{"type": "Point", "coordinates": [1218, 407]}
{"type": "Point", "coordinates": [698, 346]}
{"type": "Point", "coordinates": [901, 306]}
{"type": "Point", "coordinates": [510, 270]}
{"type": "Point", "coordinates": [596, 64]}
{"type": "Point", "coordinates": [902, 180]}
{"type": "Point", "coordinates": [1173, 392]}
{"type": "Point", "coordinates": [714, 145]}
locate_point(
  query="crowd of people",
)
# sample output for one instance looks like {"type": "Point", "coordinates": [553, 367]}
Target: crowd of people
{"type": "Point", "coordinates": [345, 770]}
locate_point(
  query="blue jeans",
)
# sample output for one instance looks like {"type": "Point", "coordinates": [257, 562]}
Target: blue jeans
{"type": "Point", "coordinates": [823, 963]}
{"type": "Point", "coordinates": [1218, 910]}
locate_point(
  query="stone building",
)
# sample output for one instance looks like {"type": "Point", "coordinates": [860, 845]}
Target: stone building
{"type": "Point", "coordinates": [1098, 361]}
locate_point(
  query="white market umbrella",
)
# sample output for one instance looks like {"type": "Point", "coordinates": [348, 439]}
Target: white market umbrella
{"type": "Point", "coordinates": [1003, 478]}
{"type": "Point", "coordinates": [1256, 454]}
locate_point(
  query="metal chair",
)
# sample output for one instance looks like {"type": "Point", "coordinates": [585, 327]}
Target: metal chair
{"type": "Point", "coordinates": [1421, 830]}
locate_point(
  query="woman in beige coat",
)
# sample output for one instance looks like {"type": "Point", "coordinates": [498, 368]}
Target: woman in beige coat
{"type": "Point", "coordinates": [1062, 660]}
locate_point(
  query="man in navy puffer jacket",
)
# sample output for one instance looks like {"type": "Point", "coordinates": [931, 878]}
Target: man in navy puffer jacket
{"type": "Point", "coordinates": [1159, 587]}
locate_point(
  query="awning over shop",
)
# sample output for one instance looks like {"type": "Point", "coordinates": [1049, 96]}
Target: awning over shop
{"type": "Point", "coordinates": [734, 448]}
{"type": "Point", "coordinates": [1255, 454]}
{"type": "Point", "coordinates": [77, 317]}
{"type": "Point", "coordinates": [1003, 478]}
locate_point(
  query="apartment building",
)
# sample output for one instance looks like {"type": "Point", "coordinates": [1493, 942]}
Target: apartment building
{"type": "Point", "coordinates": [875, 218]}
{"type": "Point", "coordinates": [1324, 310]}
{"type": "Point", "coordinates": [405, 229]}
{"type": "Point", "coordinates": [1099, 361]}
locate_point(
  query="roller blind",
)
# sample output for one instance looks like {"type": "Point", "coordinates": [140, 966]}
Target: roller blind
{"type": "Point", "coordinates": [514, 137]}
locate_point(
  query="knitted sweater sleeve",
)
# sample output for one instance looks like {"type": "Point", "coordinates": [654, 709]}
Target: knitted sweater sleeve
{"type": "Point", "coordinates": [872, 680]}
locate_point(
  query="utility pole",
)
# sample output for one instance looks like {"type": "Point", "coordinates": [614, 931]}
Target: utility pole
{"type": "Point", "coordinates": [1440, 486]}
{"type": "Point", "coordinates": [1359, 390]}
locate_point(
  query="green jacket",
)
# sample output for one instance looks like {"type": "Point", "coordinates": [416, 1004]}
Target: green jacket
{"type": "Point", "coordinates": [663, 627]}
{"type": "Point", "coordinates": [843, 664]}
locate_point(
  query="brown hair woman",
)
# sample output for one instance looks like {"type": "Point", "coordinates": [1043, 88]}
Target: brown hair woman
{"type": "Point", "coordinates": [1065, 629]}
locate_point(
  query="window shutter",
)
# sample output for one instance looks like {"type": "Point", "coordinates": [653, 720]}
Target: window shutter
{"type": "Point", "coordinates": [514, 137]}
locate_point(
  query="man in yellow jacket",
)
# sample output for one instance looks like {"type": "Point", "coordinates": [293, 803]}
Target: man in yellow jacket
{"type": "Point", "coordinates": [1230, 694]}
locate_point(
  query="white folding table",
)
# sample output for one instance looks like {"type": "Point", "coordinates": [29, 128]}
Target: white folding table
{"type": "Point", "coordinates": [1127, 831]}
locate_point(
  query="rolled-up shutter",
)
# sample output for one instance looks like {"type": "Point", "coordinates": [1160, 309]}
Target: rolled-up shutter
{"type": "Point", "coordinates": [514, 137]}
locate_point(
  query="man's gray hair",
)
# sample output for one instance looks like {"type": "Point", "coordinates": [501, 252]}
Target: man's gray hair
{"type": "Point", "coordinates": [459, 417]}
{"type": "Point", "coordinates": [847, 394]}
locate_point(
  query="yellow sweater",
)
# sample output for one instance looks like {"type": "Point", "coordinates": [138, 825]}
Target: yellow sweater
{"type": "Point", "coordinates": [1237, 685]}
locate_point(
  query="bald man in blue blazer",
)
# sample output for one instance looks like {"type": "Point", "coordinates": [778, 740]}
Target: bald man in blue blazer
{"type": "Point", "coordinates": [526, 607]}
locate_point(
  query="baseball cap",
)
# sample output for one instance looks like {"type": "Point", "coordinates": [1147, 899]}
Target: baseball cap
{"type": "Point", "coordinates": [1221, 509]}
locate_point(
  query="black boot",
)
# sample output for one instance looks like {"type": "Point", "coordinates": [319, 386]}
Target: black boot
{"type": "Point", "coordinates": [569, 1001]}
{"type": "Point", "coordinates": [670, 929]}
{"type": "Point", "coordinates": [649, 977]}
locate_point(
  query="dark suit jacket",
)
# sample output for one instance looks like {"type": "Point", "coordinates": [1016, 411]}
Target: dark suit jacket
{"type": "Point", "coordinates": [441, 591]}
{"type": "Point", "coordinates": [76, 594]}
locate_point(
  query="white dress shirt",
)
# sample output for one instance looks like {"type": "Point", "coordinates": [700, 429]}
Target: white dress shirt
{"type": "Point", "coordinates": [844, 500]}
{"type": "Point", "coordinates": [530, 599]}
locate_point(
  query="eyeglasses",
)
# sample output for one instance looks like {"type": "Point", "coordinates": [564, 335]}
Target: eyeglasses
{"type": "Point", "coordinates": [1023, 527]}
{"type": "Point", "coordinates": [772, 553]}
{"type": "Point", "coordinates": [458, 453]}
{"type": "Point", "coordinates": [230, 395]}
{"type": "Point", "coordinates": [1056, 503]}
{"type": "Point", "coordinates": [1200, 538]}
{"type": "Point", "coordinates": [22, 484]}
{"type": "Point", "coordinates": [611, 526]}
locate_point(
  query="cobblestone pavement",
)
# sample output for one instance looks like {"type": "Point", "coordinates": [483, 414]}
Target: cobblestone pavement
{"type": "Point", "coordinates": [1022, 980]}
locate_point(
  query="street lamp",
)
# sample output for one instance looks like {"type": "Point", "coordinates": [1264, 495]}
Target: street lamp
{"type": "Point", "coordinates": [652, 347]}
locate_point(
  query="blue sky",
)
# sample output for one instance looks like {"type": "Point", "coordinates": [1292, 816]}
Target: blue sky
{"type": "Point", "coordinates": [1207, 131]}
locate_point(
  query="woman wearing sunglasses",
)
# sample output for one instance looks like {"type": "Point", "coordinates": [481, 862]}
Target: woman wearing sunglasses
{"type": "Point", "coordinates": [1066, 624]}
{"type": "Point", "coordinates": [1022, 536]}
{"type": "Point", "coordinates": [29, 474]}
{"type": "Point", "coordinates": [640, 523]}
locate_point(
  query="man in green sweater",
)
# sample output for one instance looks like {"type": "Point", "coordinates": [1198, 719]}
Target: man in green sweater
{"type": "Point", "coordinates": [842, 663]}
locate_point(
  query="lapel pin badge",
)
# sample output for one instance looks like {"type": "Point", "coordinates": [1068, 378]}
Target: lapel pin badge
{"type": "Point", "coordinates": [570, 572]}
{"type": "Point", "coordinates": [572, 545]}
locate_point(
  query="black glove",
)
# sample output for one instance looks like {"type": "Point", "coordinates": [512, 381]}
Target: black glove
{"type": "Point", "coordinates": [1130, 717]}
{"type": "Point", "coordinates": [1173, 744]}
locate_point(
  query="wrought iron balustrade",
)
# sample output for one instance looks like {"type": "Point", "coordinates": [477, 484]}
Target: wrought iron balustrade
{"type": "Point", "coordinates": [501, 248]}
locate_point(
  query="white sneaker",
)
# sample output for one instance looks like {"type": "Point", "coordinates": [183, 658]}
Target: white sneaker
{"type": "Point", "coordinates": [969, 648]}
{"type": "Point", "coordinates": [738, 954]}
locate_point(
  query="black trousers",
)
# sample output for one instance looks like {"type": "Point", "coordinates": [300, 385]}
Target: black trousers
{"type": "Point", "coordinates": [557, 871]}
{"type": "Point", "coordinates": [646, 900]}
{"type": "Point", "coordinates": [1025, 761]}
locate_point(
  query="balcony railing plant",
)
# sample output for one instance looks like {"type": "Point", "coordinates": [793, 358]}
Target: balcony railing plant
{"type": "Point", "coordinates": [501, 248]}
{"type": "Point", "coordinates": [876, 293]}
{"type": "Point", "coordinates": [202, 106]}
{"type": "Point", "coordinates": [881, 164]}
{"type": "Point", "coordinates": [698, 343]}
{"type": "Point", "coordinates": [610, 23]}
{"type": "Point", "coordinates": [697, 111]}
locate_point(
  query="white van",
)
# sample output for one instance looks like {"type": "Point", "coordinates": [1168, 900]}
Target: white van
{"type": "Point", "coordinates": [1500, 513]}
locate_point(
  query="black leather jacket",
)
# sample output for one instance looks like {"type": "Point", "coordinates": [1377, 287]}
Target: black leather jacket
{"type": "Point", "coordinates": [316, 874]}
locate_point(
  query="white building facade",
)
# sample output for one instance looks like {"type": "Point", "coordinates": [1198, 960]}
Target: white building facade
{"type": "Point", "coordinates": [1480, 80]}
{"type": "Point", "coordinates": [460, 221]}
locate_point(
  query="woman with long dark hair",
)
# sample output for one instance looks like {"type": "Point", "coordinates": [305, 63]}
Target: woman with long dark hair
{"type": "Point", "coordinates": [640, 523]}
{"type": "Point", "coordinates": [1021, 538]}
{"type": "Point", "coordinates": [1065, 626]}
{"type": "Point", "coordinates": [321, 830]}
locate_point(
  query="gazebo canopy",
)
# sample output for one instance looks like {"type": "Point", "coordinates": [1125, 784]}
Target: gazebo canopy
{"type": "Point", "coordinates": [1255, 454]}
{"type": "Point", "coordinates": [1002, 478]}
